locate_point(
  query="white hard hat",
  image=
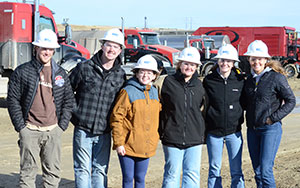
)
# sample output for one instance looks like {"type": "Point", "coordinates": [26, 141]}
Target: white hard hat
{"type": "Point", "coordinates": [227, 52]}
{"type": "Point", "coordinates": [146, 62]}
{"type": "Point", "coordinates": [257, 48]}
{"type": "Point", "coordinates": [114, 35]}
{"type": "Point", "coordinates": [190, 54]}
{"type": "Point", "coordinates": [46, 39]}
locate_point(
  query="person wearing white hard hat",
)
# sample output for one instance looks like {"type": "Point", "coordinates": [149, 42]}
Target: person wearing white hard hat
{"type": "Point", "coordinates": [182, 125]}
{"type": "Point", "coordinates": [134, 122]}
{"type": "Point", "coordinates": [224, 117]}
{"type": "Point", "coordinates": [40, 101]}
{"type": "Point", "coordinates": [96, 83]}
{"type": "Point", "coordinates": [268, 99]}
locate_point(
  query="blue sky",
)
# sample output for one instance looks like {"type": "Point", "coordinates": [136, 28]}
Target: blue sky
{"type": "Point", "coordinates": [188, 14]}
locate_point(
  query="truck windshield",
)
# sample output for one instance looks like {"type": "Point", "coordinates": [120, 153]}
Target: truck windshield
{"type": "Point", "coordinates": [150, 39]}
{"type": "Point", "coordinates": [209, 44]}
{"type": "Point", "coordinates": [46, 23]}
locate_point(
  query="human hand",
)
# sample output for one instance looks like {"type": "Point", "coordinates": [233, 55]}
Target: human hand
{"type": "Point", "coordinates": [269, 121]}
{"type": "Point", "coordinates": [121, 150]}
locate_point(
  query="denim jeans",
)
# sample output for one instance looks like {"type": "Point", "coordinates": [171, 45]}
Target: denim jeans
{"type": "Point", "coordinates": [91, 156]}
{"type": "Point", "coordinates": [263, 144]}
{"type": "Point", "coordinates": [133, 168]}
{"type": "Point", "coordinates": [188, 160]}
{"type": "Point", "coordinates": [234, 145]}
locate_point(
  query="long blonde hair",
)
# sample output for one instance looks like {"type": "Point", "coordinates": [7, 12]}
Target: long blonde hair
{"type": "Point", "coordinates": [276, 66]}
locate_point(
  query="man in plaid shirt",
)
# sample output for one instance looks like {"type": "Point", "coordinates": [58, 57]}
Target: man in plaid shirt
{"type": "Point", "coordinates": [96, 83]}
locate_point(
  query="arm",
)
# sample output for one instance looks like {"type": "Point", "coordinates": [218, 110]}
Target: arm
{"type": "Point", "coordinates": [75, 77]}
{"type": "Point", "coordinates": [14, 96]}
{"type": "Point", "coordinates": [68, 105]}
{"type": "Point", "coordinates": [117, 120]}
{"type": "Point", "coordinates": [285, 92]}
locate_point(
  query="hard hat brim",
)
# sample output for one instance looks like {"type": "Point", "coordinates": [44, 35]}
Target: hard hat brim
{"type": "Point", "coordinates": [257, 55]}
{"type": "Point", "coordinates": [220, 57]}
{"type": "Point", "coordinates": [102, 40]}
{"type": "Point", "coordinates": [43, 45]}
{"type": "Point", "coordinates": [190, 61]}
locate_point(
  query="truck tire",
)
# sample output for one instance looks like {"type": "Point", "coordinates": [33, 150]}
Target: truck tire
{"type": "Point", "coordinates": [163, 64]}
{"type": "Point", "coordinates": [290, 70]}
{"type": "Point", "coordinates": [207, 68]}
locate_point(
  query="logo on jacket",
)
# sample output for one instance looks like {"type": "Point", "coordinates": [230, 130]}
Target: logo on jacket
{"type": "Point", "coordinates": [59, 81]}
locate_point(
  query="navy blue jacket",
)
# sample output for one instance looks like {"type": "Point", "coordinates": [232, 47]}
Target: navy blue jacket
{"type": "Point", "coordinates": [266, 98]}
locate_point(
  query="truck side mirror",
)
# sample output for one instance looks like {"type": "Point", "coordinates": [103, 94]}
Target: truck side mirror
{"type": "Point", "coordinates": [68, 33]}
{"type": "Point", "coordinates": [135, 43]}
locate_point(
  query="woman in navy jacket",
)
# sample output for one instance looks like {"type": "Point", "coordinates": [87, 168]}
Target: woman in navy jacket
{"type": "Point", "coordinates": [224, 117]}
{"type": "Point", "coordinates": [269, 99]}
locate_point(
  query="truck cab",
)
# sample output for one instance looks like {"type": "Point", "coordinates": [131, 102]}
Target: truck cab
{"type": "Point", "coordinates": [208, 48]}
{"type": "Point", "coordinates": [140, 42]}
{"type": "Point", "coordinates": [18, 31]}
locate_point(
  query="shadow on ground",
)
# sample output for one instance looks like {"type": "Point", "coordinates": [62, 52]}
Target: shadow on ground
{"type": "Point", "coordinates": [11, 181]}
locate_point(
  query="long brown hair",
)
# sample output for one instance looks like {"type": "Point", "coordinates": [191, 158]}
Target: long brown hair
{"type": "Point", "coordinates": [276, 66]}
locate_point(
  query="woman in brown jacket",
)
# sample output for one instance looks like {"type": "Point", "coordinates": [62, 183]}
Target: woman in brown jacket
{"type": "Point", "coordinates": [134, 122]}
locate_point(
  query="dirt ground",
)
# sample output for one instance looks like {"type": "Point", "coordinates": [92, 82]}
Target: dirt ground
{"type": "Point", "coordinates": [286, 169]}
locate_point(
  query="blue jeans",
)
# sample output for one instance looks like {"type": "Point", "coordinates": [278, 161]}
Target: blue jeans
{"type": "Point", "coordinates": [91, 156]}
{"type": "Point", "coordinates": [133, 168]}
{"type": "Point", "coordinates": [263, 144]}
{"type": "Point", "coordinates": [234, 145]}
{"type": "Point", "coordinates": [188, 160]}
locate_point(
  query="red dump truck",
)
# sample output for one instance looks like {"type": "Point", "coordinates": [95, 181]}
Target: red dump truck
{"type": "Point", "coordinates": [140, 42]}
{"type": "Point", "coordinates": [19, 25]}
{"type": "Point", "coordinates": [283, 43]}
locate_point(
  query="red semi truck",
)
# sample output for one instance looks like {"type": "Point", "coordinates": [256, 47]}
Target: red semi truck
{"type": "Point", "coordinates": [140, 42]}
{"type": "Point", "coordinates": [208, 47]}
{"type": "Point", "coordinates": [282, 42]}
{"type": "Point", "coordinates": [19, 25]}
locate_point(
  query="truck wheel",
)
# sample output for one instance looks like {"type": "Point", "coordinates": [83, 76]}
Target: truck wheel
{"type": "Point", "coordinates": [207, 69]}
{"type": "Point", "coordinates": [163, 64]}
{"type": "Point", "coordinates": [290, 70]}
{"type": "Point", "coordinates": [70, 63]}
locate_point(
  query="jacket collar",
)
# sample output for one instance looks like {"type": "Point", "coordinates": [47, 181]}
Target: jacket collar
{"type": "Point", "coordinates": [39, 66]}
{"type": "Point", "coordinates": [180, 78]}
{"type": "Point", "coordinates": [96, 59]}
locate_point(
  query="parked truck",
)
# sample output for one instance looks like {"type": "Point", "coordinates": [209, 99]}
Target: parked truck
{"type": "Point", "coordinates": [283, 43]}
{"type": "Point", "coordinates": [144, 41]}
{"type": "Point", "coordinates": [19, 25]}
{"type": "Point", "coordinates": [208, 47]}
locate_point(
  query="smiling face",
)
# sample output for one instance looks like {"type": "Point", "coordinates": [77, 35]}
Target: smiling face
{"type": "Point", "coordinates": [258, 64]}
{"type": "Point", "coordinates": [111, 50]}
{"type": "Point", "coordinates": [145, 76]}
{"type": "Point", "coordinates": [225, 66]}
{"type": "Point", "coordinates": [44, 55]}
{"type": "Point", "coordinates": [188, 69]}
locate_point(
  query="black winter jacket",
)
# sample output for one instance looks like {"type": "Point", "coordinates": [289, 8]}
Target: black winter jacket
{"type": "Point", "coordinates": [181, 121]}
{"type": "Point", "coordinates": [95, 92]}
{"type": "Point", "coordinates": [266, 99]}
{"type": "Point", "coordinates": [22, 87]}
{"type": "Point", "coordinates": [224, 113]}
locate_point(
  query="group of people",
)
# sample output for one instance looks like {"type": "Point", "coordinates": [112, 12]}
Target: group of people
{"type": "Point", "coordinates": [177, 109]}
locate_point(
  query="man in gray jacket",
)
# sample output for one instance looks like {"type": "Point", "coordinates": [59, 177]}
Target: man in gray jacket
{"type": "Point", "coordinates": [40, 102]}
{"type": "Point", "coordinates": [96, 83]}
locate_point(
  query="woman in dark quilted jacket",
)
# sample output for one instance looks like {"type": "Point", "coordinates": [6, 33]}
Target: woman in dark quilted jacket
{"type": "Point", "coordinates": [269, 99]}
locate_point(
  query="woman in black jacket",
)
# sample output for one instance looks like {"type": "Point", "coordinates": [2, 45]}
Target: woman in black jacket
{"type": "Point", "coordinates": [269, 99]}
{"type": "Point", "coordinates": [224, 117]}
{"type": "Point", "coordinates": [182, 126]}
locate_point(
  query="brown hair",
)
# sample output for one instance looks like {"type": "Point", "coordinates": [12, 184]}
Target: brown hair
{"type": "Point", "coordinates": [276, 66]}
